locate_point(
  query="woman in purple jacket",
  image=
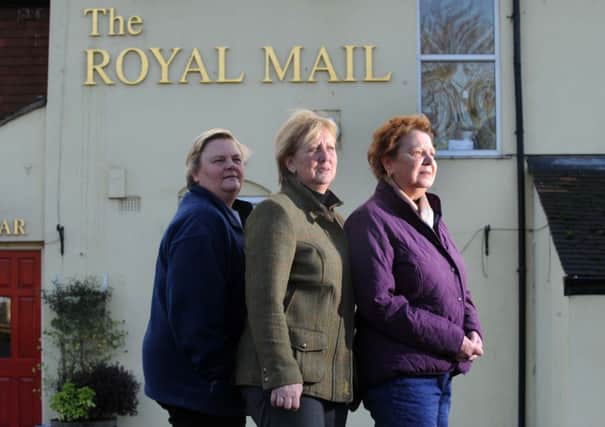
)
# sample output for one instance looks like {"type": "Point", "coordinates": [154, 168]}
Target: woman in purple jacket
{"type": "Point", "coordinates": [417, 326]}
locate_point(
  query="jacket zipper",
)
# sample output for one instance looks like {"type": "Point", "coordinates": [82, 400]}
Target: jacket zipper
{"type": "Point", "coordinates": [334, 359]}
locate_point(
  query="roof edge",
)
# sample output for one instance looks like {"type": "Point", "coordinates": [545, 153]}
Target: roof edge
{"type": "Point", "coordinates": [39, 102]}
{"type": "Point", "coordinates": [578, 285]}
{"type": "Point", "coordinates": [557, 164]}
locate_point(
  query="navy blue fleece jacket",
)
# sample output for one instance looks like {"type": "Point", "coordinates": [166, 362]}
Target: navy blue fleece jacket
{"type": "Point", "coordinates": [197, 309]}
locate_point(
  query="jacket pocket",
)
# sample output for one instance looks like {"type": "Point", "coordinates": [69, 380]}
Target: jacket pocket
{"type": "Point", "coordinates": [310, 349]}
{"type": "Point", "coordinates": [310, 305]}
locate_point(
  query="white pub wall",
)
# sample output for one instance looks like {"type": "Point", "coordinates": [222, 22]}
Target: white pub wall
{"type": "Point", "coordinates": [146, 129]}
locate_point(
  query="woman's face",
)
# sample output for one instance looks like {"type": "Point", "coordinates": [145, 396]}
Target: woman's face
{"type": "Point", "coordinates": [414, 167]}
{"type": "Point", "coordinates": [221, 169]}
{"type": "Point", "coordinates": [315, 164]}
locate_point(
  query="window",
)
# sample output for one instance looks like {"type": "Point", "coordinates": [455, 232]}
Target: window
{"type": "Point", "coordinates": [458, 74]}
{"type": "Point", "coordinates": [5, 327]}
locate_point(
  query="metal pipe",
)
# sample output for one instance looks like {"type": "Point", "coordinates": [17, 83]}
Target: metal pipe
{"type": "Point", "coordinates": [521, 220]}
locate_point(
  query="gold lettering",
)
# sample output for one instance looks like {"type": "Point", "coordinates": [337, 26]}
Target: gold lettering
{"type": "Point", "coordinates": [369, 77]}
{"type": "Point", "coordinates": [271, 58]}
{"type": "Point", "coordinates": [5, 228]}
{"type": "Point", "coordinates": [19, 227]}
{"type": "Point", "coordinates": [95, 20]}
{"type": "Point", "coordinates": [349, 75]}
{"type": "Point", "coordinates": [92, 68]}
{"type": "Point", "coordinates": [113, 18]}
{"type": "Point", "coordinates": [143, 71]}
{"type": "Point", "coordinates": [132, 21]}
{"type": "Point", "coordinates": [222, 51]}
{"type": "Point", "coordinates": [323, 56]}
{"type": "Point", "coordinates": [164, 64]}
{"type": "Point", "coordinates": [199, 68]}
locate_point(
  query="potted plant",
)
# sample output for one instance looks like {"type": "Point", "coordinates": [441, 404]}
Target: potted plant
{"type": "Point", "coordinates": [86, 338]}
{"type": "Point", "coordinates": [72, 404]}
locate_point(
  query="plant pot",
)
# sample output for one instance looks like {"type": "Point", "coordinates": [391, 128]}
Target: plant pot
{"type": "Point", "coordinates": [101, 423]}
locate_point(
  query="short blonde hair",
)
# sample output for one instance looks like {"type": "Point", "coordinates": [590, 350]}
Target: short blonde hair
{"type": "Point", "coordinates": [192, 163]}
{"type": "Point", "coordinates": [301, 128]}
{"type": "Point", "coordinates": [387, 139]}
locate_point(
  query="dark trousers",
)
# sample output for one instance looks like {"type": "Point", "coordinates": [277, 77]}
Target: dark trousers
{"type": "Point", "coordinates": [313, 412]}
{"type": "Point", "coordinates": [181, 417]}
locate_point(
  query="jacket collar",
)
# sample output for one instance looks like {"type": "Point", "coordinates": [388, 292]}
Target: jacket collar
{"type": "Point", "coordinates": [202, 193]}
{"type": "Point", "coordinates": [305, 198]}
{"type": "Point", "coordinates": [386, 194]}
{"type": "Point", "coordinates": [421, 206]}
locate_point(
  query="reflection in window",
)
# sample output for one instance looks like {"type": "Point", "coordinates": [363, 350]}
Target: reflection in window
{"type": "Point", "coordinates": [5, 327]}
{"type": "Point", "coordinates": [458, 73]}
{"type": "Point", "coordinates": [457, 27]}
{"type": "Point", "coordinates": [460, 100]}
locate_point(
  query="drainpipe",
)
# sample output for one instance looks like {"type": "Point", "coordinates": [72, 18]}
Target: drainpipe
{"type": "Point", "coordinates": [522, 268]}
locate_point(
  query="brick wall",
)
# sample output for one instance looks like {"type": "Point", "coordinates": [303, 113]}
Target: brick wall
{"type": "Point", "coordinates": [23, 57]}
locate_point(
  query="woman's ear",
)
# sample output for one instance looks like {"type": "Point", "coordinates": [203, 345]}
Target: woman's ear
{"type": "Point", "coordinates": [195, 175]}
{"type": "Point", "coordinates": [387, 164]}
{"type": "Point", "coordinates": [290, 165]}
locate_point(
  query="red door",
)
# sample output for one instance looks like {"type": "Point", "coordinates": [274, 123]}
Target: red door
{"type": "Point", "coordinates": [20, 404]}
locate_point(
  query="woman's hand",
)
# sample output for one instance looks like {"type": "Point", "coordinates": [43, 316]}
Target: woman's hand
{"type": "Point", "coordinates": [471, 348]}
{"type": "Point", "coordinates": [476, 338]}
{"type": "Point", "coordinates": [287, 396]}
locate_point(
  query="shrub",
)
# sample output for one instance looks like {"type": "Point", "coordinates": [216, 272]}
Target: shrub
{"type": "Point", "coordinates": [115, 390]}
{"type": "Point", "coordinates": [73, 403]}
{"type": "Point", "coordinates": [86, 337]}
{"type": "Point", "coordinates": [82, 329]}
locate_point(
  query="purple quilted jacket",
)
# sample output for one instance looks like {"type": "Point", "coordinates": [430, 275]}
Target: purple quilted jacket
{"type": "Point", "coordinates": [414, 308]}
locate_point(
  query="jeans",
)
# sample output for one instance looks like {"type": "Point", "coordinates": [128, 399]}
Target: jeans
{"type": "Point", "coordinates": [410, 401]}
{"type": "Point", "coordinates": [181, 417]}
{"type": "Point", "coordinates": [313, 412]}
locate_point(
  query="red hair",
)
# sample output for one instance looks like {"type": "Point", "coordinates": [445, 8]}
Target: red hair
{"type": "Point", "coordinates": [387, 138]}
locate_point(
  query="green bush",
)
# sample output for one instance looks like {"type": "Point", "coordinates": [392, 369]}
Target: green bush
{"type": "Point", "coordinates": [82, 329]}
{"type": "Point", "coordinates": [86, 338]}
{"type": "Point", "coordinates": [72, 403]}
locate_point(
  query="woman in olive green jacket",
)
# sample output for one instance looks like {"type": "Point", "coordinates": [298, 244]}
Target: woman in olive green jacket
{"type": "Point", "coordinates": [295, 356]}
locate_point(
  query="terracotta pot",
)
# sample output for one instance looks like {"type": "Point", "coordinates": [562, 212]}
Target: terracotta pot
{"type": "Point", "coordinates": [101, 423]}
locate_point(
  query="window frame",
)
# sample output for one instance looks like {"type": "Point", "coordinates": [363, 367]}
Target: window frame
{"type": "Point", "coordinates": [488, 58]}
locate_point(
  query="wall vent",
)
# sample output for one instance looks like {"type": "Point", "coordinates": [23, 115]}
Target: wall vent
{"type": "Point", "coordinates": [130, 204]}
